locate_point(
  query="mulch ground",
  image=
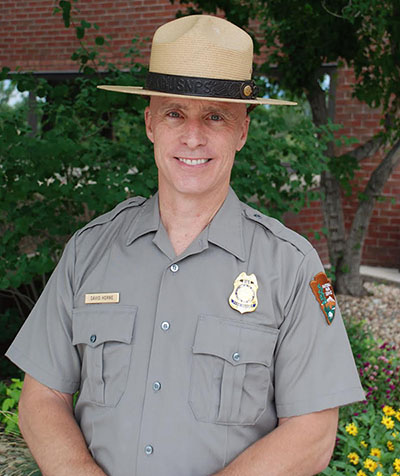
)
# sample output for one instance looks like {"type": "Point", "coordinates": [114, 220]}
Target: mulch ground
{"type": "Point", "coordinates": [380, 311]}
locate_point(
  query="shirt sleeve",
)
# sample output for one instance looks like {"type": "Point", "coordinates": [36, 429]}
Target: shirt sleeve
{"type": "Point", "coordinates": [314, 366]}
{"type": "Point", "coordinates": [43, 347]}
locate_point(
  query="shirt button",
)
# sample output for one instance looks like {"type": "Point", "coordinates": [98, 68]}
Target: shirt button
{"type": "Point", "coordinates": [165, 325]}
{"type": "Point", "coordinates": [93, 338]}
{"type": "Point", "coordinates": [148, 449]}
{"type": "Point", "coordinates": [174, 268]}
{"type": "Point", "coordinates": [236, 356]}
{"type": "Point", "coordinates": [156, 386]}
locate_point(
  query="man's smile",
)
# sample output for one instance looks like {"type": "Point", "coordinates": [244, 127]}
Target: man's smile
{"type": "Point", "coordinates": [193, 161]}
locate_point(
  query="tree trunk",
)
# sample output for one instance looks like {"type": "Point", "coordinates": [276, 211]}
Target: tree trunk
{"type": "Point", "coordinates": [348, 279]}
{"type": "Point", "coordinates": [330, 187]}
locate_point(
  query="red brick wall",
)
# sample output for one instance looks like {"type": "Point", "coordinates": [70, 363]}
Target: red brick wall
{"type": "Point", "coordinates": [32, 38]}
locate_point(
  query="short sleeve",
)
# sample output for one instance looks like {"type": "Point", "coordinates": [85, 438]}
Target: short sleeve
{"type": "Point", "coordinates": [314, 366]}
{"type": "Point", "coordinates": [43, 347]}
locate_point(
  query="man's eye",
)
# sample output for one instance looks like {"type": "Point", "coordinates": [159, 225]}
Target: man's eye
{"type": "Point", "coordinates": [215, 117]}
{"type": "Point", "coordinates": [173, 114]}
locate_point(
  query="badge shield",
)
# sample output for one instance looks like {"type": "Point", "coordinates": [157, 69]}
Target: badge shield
{"type": "Point", "coordinates": [244, 294]}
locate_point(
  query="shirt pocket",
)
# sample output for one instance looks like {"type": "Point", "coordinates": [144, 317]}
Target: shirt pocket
{"type": "Point", "coordinates": [231, 369]}
{"type": "Point", "coordinates": [103, 334]}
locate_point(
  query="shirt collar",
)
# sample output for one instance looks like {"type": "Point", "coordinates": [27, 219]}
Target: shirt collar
{"type": "Point", "coordinates": [225, 229]}
{"type": "Point", "coordinates": [146, 221]}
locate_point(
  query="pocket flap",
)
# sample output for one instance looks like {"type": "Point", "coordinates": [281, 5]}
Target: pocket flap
{"type": "Point", "coordinates": [236, 342]}
{"type": "Point", "coordinates": [103, 323]}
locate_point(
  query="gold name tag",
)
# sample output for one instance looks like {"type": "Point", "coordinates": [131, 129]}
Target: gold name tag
{"type": "Point", "coordinates": [101, 298]}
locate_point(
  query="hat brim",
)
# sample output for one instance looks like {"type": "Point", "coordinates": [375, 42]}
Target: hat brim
{"type": "Point", "coordinates": [146, 92]}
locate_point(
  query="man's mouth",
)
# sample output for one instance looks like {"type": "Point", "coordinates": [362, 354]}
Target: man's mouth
{"type": "Point", "coordinates": [193, 161]}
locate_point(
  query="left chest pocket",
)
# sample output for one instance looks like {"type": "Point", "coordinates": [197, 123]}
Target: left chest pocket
{"type": "Point", "coordinates": [103, 334]}
{"type": "Point", "coordinates": [231, 370]}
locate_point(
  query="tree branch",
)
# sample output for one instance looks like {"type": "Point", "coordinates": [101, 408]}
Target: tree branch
{"type": "Point", "coordinates": [367, 149]}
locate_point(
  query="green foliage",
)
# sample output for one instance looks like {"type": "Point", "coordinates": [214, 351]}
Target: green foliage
{"type": "Point", "coordinates": [277, 168]}
{"type": "Point", "coordinates": [9, 398]}
{"type": "Point", "coordinates": [377, 64]}
{"type": "Point", "coordinates": [369, 442]}
{"type": "Point", "coordinates": [11, 320]}
{"type": "Point", "coordinates": [91, 153]}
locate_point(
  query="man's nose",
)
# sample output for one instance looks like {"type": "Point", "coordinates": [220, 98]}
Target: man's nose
{"type": "Point", "coordinates": [194, 134]}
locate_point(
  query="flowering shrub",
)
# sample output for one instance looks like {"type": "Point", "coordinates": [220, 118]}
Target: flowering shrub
{"type": "Point", "coordinates": [379, 369]}
{"type": "Point", "coordinates": [369, 444]}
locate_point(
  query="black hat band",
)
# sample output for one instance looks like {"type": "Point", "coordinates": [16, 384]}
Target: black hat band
{"type": "Point", "coordinates": [206, 87]}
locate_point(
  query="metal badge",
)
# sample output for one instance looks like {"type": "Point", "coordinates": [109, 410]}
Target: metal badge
{"type": "Point", "coordinates": [244, 295]}
{"type": "Point", "coordinates": [101, 298]}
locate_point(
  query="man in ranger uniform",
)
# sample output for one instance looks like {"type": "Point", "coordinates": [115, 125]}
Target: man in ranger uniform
{"type": "Point", "coordinates": [203, 336]}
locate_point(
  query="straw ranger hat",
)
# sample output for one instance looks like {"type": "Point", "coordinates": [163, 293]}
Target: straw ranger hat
{"type": "Point", "coordinates": [201, 57]}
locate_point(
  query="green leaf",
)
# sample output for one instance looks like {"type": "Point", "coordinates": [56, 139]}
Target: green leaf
{"type": "Point", "coordinates": [66, 12]}
{"type": "Point", "coordinates": [4, 73]}
{"type": "Point", "coordinates": [99, 40]}
{"type": "Point", "coordinates": [85, 24]}
{"type": "Point", "coordinates": [80, 32]}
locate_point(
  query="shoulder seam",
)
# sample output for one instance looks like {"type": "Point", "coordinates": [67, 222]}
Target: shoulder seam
{"type": "Point", "coordinates": [109, 216]}
{"type": "Point", "coordinates": [279, 230]}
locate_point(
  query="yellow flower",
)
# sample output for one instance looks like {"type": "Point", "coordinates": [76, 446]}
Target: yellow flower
{"type": "Point", "coordinates": [371, 464]}
{"type": "Point", "coordinates": [379, 473]}
{"type": "Point", "coordinates": [395, 434]}
{"type": "Point", "coordinates": [390, 445]}
{"type": "Point", "coordinates": [388, 411]}
{"type": "Point", "coordinates": [394, 474]}
{"type": "Point", "coordinates": [361, 473]}
{"type": "Point", "coordinates": [398, 415]}
{"type": "Point", "coordinates": [352, 429]}
{"type": "Point", "coordinates": [364, 444]}
{"type": "Point", "coordinates": [396, 464]}
{"type": "Point", "coordinates": [375, 452]}
{"type": "Point", "coordinates": [353, 458]}
{"type": "Point", "coordinates": [388, 422]}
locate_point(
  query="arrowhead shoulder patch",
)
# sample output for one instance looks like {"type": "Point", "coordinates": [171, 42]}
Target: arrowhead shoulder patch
{"type": "Point", "coordinates": [323, 292]}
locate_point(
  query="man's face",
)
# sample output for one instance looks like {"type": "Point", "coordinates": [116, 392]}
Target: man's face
{"type": "Point", "coordinates": [195, 142]}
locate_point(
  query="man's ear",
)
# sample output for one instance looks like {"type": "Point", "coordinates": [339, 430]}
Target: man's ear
{"type": "Point", "coordinates": [148, 122]}
{"type": "Point", "coordinates": [245, 130]}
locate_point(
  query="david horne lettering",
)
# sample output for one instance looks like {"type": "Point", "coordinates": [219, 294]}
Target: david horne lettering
{"type": "Point", "coordinates": [101, 298]}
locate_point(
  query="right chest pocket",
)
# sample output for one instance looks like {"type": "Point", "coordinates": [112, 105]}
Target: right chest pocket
{"type": "Point", "coordinates": [231, 369]}
{"type": "Point", "coordinates": [103, 335]}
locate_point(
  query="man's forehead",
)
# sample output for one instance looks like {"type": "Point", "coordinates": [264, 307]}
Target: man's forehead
{"type": "Point", "coordinates": [195, 104]}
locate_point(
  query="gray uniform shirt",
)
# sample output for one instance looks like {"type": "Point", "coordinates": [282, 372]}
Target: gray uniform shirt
{"type": "Point", "coordinates": [172, 380]}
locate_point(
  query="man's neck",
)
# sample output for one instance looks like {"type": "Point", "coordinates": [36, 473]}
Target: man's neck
{"type": "Point", "coordinates": [184, 217]}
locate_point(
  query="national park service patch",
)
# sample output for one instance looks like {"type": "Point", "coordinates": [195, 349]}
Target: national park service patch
{"type": "Point", "coordinates": [323, 292]}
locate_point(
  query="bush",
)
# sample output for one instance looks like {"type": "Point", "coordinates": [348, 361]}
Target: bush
{"type": "Point", "coordinates": [9, 398]}
{"type": "Point", "coordinates": [379, 369]}
{"type": "Point", "coordinates": [368, 443]}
